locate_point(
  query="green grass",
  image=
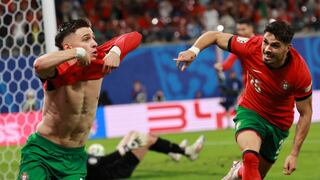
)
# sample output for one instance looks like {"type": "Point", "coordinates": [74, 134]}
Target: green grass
{"type": "Point", "coordinates": [214, 161]}
{"type": "Point", "coordinates": [217, 156]}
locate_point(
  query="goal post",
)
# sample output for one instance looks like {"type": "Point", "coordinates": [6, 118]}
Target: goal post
{"type": "Point", "coordinates": [50, 24]}
{"type": "Point", "coordinates": [27, 30]}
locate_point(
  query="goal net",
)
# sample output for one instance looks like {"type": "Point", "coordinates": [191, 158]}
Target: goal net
{"type": "Point", "coordinates": [22, 39]}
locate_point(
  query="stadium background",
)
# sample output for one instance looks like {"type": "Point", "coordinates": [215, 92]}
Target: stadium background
{"type": "Point", "coordinates": [168, 27]}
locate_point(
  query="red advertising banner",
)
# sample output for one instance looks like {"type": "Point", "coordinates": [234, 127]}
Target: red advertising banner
{"type": "Point", "coordinates": [16, 127]}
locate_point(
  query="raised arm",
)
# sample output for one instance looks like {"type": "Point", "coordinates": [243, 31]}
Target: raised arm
{"type": "Point", "coordinates": [45, 65]}
{"type": "Point", "coordinates": [126, 43]}
{"type": "Point", "coordinates": [117, 48]}
{"type": "Point", "coordinates": [213, 37]}
{"type": "Point", "coordinates": [304, 108]}
{"type": "Point", "coordinates": [205, 40]}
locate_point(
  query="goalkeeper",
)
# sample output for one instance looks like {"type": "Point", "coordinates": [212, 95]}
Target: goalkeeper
{"type": "Point", "coordinates": [131, 150]}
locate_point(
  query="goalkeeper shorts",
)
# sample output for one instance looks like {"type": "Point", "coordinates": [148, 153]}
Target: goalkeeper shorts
{"type": "Point", "coordinates": [272, 136]}
{"type": "Point", "coordinates": [42, 159]}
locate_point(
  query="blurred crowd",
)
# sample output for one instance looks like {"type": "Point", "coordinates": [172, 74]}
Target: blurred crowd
{"type": "Point", "coordinates": [176, 20]}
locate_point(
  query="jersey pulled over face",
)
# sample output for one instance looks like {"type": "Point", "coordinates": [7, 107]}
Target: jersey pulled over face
{"type": "Point", "coordinates": [271, 92]}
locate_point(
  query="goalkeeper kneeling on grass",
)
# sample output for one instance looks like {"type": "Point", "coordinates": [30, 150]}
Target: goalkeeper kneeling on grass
{"type": "Point", "coordinates": [131, 150]}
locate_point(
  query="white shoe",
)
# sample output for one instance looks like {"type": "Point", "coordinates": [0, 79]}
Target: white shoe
{"type": "Point", "coordinates": [193, 151]}
{"type": "Point", "coordinates": [176, 156]}
{"type": "Point", "coordinates": [233, 173]}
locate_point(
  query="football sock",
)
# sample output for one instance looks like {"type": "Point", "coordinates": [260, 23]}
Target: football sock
{"type": "Point", "coordinates": [250, 165]}
{"type": "Point", "coordinates": [165, 146]}
{"type": "Point", "coordinates": [240, 172]}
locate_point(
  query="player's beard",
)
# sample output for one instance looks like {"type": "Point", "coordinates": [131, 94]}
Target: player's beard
{"type": "Point", "coordinates": [268, 58]}
{"type": "Point", "coordinates": [273, 60]}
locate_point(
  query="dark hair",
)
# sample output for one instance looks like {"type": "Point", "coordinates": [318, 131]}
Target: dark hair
{"type": "Point", "coordinates": [281, 30]}
{"type": "Point", "coordinates": [245, 21]}
{"type": "Point", "coordinates": [67, 28]}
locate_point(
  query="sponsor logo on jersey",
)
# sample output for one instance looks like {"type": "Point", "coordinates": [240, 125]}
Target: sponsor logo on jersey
{"type": "Point", "coordinates": [242, 39]}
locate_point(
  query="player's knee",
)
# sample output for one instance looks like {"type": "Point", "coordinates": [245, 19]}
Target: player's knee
{"type": "Point", "coordinates": [132, 133]}
{"type": "Point", "coordinates": [151, 139]}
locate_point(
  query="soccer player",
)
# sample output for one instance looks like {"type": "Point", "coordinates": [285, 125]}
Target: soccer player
{"type": "Point", "coordinates": [277, 77]}
{"type": "Point", "coordinates": [131, 151]}
{"type": "Point", "coordinates": [72, 79]}
{"type": "Point", "coordinates": [245, 29]}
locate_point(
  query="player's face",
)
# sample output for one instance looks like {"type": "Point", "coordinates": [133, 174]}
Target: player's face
{"type": "Point", "coordinates": [274, 51]}
{"type": "Point", "coordinates": [244, 30]}
{"type": "Point", "coordinates": [84, 37]}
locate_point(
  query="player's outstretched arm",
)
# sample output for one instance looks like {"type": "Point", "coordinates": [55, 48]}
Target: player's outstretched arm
{"type": "Point", "coordinates": [125, 42]}
{"type": "Point", "coordinates": [305, 110]}
{"type": "Point", "coordinates": [45, 65]}
{"type": "Point", "coordinates": [117, 48]}
{"type": "Point", "coordinates": [205, 40]}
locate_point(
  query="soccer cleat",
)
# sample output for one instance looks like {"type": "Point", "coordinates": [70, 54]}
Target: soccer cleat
{"type": "Point", "coordinates": [193, 151]}
{"type": "Point", "coordinates": [176, 156]}
{"type": "Point", "coordinates": [233, 173]}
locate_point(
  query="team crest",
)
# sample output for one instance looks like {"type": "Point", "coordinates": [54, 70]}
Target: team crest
{"type": "Point", "coordinates": [24, 176]}
{"type": "Point", "coordinates": [285, 85]}
{"type": "Point", "coordinates": [242, 39]}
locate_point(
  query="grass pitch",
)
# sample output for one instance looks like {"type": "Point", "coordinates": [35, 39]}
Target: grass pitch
{"type": "Point", "coordinates": [216, 158]}
{"type": "Point", "coordinates": [214, 161]}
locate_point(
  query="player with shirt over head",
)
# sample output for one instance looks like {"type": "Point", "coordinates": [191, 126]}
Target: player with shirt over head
{"type": "Point", "coordinates": [266, 107]}
{"type": "Point", "coordinates": [72, 79]}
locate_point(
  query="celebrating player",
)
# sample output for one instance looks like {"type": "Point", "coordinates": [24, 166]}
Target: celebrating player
{"type": "Point", "coordinates": [72, 79]}
{"type": "Point", "coordinates": [265, 111]}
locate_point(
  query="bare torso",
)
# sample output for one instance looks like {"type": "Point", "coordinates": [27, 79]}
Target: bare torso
{"type": "Point", "coordinates": [68, 113]}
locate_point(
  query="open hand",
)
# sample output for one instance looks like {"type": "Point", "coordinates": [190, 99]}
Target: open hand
{"type": "Point", "coordinates": [184, 59]}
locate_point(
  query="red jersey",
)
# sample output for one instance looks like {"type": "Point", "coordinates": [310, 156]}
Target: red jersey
{"type": "Point", "coordinates": [67, 74]}
{"type": "Point", "coordinates": [271, 92]}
